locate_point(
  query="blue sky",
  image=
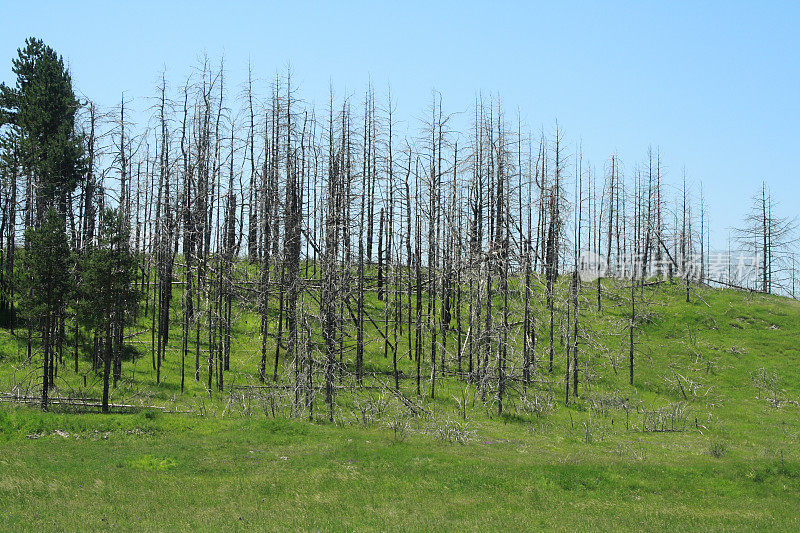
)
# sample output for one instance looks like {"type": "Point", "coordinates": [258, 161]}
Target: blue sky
{"type": "Point", "coordinates": [715, 85]}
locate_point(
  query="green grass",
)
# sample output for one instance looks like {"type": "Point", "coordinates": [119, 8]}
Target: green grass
{"type": "Point", "coordinates": [735, 464]}
{"type": "Point", "coordinates": [188, 473]}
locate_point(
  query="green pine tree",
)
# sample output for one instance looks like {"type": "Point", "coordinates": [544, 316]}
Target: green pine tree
{"type": "Point", "coordinates": [46, 284]}
{"type": "Point", "coordinates": [108, 296]}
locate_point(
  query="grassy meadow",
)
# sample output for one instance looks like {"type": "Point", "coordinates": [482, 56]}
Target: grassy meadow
{"type": "Point", "coordinates": [706, 438]}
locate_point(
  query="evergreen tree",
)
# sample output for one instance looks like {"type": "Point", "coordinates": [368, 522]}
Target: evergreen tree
{"type": "Point", "coordinates": [46, 284]}
{"type": "Point", "coordinates": [38, 143]}
{"type": "Point", "coordinates": [109, 298]}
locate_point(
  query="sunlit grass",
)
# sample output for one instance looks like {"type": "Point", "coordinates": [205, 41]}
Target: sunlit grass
{"type": "Point", "coordinates": [728, 359]}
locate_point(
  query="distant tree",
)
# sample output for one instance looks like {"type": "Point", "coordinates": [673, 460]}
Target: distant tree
{"type": "Point", "coordinates": [108, 295]}
{"type": "Point", "coordinates": [769, 239]}
{"type": "Point", "coordinates": [46, 284]}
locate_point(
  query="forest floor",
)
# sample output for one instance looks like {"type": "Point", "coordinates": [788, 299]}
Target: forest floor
{"type": "Point", "coordinates": [708, 437]}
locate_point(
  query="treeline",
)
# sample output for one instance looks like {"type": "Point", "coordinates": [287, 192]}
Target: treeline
{"type": "Point", "coordinates": [247, 197]}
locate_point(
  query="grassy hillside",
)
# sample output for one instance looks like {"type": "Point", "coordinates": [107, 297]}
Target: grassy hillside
{"type": "Point", "coordinates": [706, 437]}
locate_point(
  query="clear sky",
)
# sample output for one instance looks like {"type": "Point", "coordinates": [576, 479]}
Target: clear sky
{"type": "Point", "coordinates": [715, 85]}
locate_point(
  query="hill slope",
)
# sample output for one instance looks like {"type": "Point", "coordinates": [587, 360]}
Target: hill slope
{"type": "Point", "coordinates": [706, 437]}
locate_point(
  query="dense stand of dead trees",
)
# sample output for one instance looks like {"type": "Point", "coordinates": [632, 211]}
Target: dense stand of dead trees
{"type": "Point", "coordinates": [351, 241]}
